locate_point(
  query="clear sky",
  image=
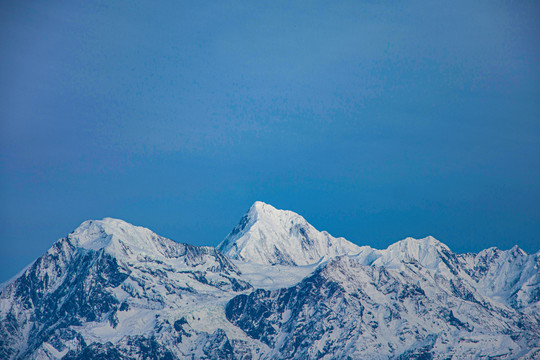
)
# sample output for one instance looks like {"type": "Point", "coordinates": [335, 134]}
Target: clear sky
{"type": "Point", "coordinates": [375, 122]}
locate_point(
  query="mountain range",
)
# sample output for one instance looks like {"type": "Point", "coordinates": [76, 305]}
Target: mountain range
{"type": "Point", "coordinates": [275, 288]}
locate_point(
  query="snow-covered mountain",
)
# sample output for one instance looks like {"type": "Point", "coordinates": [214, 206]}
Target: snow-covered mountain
{"type": "Point", "coordinates": [111, 290]}
{"type": "Point", "coordinates": [349, 310]}
{"type": "Point", "coordinates": [119, 291]}
{"type": "Point", "coordinates": [266, 235]}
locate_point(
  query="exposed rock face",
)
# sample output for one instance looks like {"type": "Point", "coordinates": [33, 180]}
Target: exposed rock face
{"type": "Point", "coordinates": [348, 309]}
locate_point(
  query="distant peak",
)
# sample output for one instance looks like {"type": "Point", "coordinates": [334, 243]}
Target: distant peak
{"type": "Point", "coordinates": [259, 205]}
{"type": "Point", "coordinates": [107, 224]}
{"type": "Point", "coordinates": [267, 235]}
{"type": "Point", "coordinates": [97, 234]}
{"type": "Point", "coordinates": [428, 241]}
{"type": "Point", "coordinates": [427, 251]}
{"type": "Point", "coordinates": [267, 210]}
{"type": "Point", "coordinates": [517, 250]}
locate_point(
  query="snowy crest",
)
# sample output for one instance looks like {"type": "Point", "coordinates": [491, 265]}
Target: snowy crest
{"type": "Point", "coordinates": [266, 235]}
{"type": "Point", "coordinates": [428, 252]}
{"type": "Point", "coordinates": [120, 238]}
{"type": "Point", "coordinates": [107, 233]}
{"type": "Point", "coordinates": [135, 244]}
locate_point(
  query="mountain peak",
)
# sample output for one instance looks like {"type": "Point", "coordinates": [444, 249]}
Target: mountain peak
{"type": "Point", "coordinates": [263, 211]}
{"type": "Point", "coordinates": [98, 234]}
{"type": "Point", "coordinates": [259, 205]}
{"type": "Point", "coordinates": [423, 243]}
{"type": "Point", "coordinates": [126, 241]}
{"type": "Point", "coordinates": [267, 235]}
{"type": "Point", "coordinates": [428, 251]}
{"type": "Point", "coordinates": [260, 208]}
{"type": "Point", "coordinates": [518, 251]}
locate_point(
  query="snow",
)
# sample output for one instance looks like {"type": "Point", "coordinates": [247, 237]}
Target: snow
{"type": "Point", "coordinates": [271, 277]}
{"type": "Point", "coordinates": [269, 236]}
{"type": "Point", "coordinates": [266, 235]}
{"type": "Point", "coordinates": [132, 322]}
{"type": "Point", "coordinates": [426, 251]}
{"type": "Point", "coordinates": [112, 234]}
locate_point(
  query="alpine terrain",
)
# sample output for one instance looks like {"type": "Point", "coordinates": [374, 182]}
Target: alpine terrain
{"type": "Point", "coordinates": [275, 288]}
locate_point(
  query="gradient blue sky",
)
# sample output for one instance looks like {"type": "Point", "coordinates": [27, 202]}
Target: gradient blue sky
{"type": "Point", "coordinates": [375, 122]}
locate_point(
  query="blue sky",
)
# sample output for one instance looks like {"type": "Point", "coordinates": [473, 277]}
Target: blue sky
{"type": "Point", "coordinates": [375, 122]}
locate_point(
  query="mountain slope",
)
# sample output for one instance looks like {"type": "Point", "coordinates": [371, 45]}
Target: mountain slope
{"type": "Point", "coordinates": [510, 276]}
{"type": "Point", "coordinates": [347, 310]}
{"type": "Point", "coordinates": [266, 235]}
{"type": "Point", "coordinates": [113, 283]}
